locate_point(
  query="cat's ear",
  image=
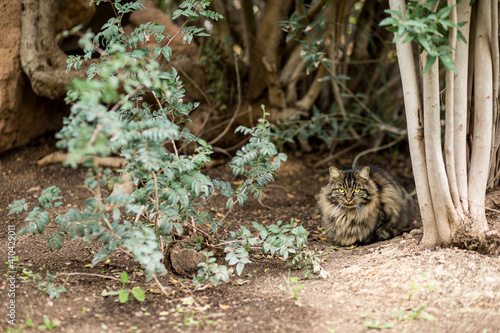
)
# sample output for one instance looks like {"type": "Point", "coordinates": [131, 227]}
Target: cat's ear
{"type": "Point", "coordinates": [364, 173]}
{"type": "Point", "coordinates": [335, 173]}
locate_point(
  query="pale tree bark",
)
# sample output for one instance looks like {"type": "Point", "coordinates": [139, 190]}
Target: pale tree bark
{"type": "Point", "coordinates": [449, 140]}
{"type": "Point", "coordinates": [443, 207]}
{"type": "Point", "coordinates": [494, 175]}
{"type": "Point", "coordinates": [453, 197]}
{"type": "Point", "coordinates": [414, 121]}
{"type": "Point", "coordinates": [483, 117]}
{"type": "Point", "coordinates": [461, 106]}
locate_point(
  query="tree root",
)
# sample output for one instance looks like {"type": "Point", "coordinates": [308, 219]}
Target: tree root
{"type": "Point", "coordinates": [489, 244]}
{"type": "Point", "coordinates": [60, 157]}
{"type": "Point", "coordinates": [126, 186]}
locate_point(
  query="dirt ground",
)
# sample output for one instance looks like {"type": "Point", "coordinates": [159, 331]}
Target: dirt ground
{"type": "Point", "coordinates": [394, 286]}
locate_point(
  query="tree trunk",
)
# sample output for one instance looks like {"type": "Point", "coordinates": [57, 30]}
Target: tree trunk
{"type": "Point", "coordinates": [41, 58]}
{"type": "Point", "coordinates": [461, 106]}
{"type": "Point", "coordinates": [441, 201]}
{"type": "Point", "coordinates": [483, 118]}
{"type": "Point", "coordinates": [267, 52]}
{"type": "Point", "coordinates": [414, 121]}
{"type": "Point", "coordinates": [452, 196]}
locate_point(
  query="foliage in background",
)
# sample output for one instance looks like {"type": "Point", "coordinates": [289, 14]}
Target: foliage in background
{"type": "Point", "coordinates": [367, 111]}
{"type": "Point", "coordinates": [428, 24]}
{"type": "Point", "coordinates": [132, 106]}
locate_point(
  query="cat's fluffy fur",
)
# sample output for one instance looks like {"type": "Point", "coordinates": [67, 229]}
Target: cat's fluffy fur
{"type": "Point", "coordinates": [364, 205]}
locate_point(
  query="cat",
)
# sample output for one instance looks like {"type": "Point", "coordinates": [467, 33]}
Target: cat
{"type": "Point", "coordinates": [365, 205]}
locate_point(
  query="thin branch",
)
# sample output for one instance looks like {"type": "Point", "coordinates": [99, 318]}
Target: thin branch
{"type": "Point", "coordinates": [162, 288]}
{"type": "Point", "coordinates": [89, 274]}
{"type": "Point", "coordinates": [375, 149]}
{"type": "Point", "coordinates": [193, 82]}
{"type": "Point", "coordinates": [337, 154]}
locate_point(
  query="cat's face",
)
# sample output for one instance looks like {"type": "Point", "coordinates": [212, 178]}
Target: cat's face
{"type": "Point", "coordinates": [349, 189]}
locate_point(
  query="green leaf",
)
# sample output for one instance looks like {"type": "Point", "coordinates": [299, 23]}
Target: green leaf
{"type": "Point", "coordinates": [396, 13]}
{"type": "Point", "coordinates": [56, 240]}
{"type": "Point", "coordinates": [444, 12]}
{"type": "Point", "coordinates": [124, 277]}
{"type": "Point", "coordinates": [422, 40]}
{"type": "Point", "coordinates": [389, 21]}
{"type": "Point", "coordinates": [447, 61]}
{"type": "Point", "coordinates": [428, 64]}
{"type": "Point", "coordinates": [138, 294]}
{"type": "Point", "coordinates": [239, 268]}
{"type": "Point", "coordinates": [123, 295]}
{"type": "Point", "coordinates": [18, 206]}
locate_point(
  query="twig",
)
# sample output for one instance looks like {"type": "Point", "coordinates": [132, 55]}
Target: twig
{"type": "Point", "coordinates": [223, 123]}
{"type": "Point", "coordinates": [375, 149]}
{"type": "Point", "coordinates": [95, 133]}
{"type": "Point", "coordinates": [331, 157]}
{"type": "Point", "coordinates": [163, 291]}
{"type": "Point", "coordinates": [90, 274]}
{"type": "Point", "coordinates": [487, 208]}
{"type": "Point", "coordinates": [194, 84]}
{"type": "Point", "coordinates": [238, 145]}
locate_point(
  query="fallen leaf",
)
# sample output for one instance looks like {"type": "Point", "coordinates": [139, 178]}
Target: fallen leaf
{"type": "Point", "coordinates": [290, 195]}
{"type": "Point", "coordinates": [224, 307]}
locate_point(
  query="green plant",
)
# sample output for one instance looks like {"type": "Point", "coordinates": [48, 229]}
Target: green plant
{"type": "Point", "coordinates": [189, 313]}
{"type": "Point", "coordinates": [414, 286]}
{"type": "Point", "coordinates": [284, 240]}
{"type": "Point", "coordinates": [377, 324]}
{"type": "Point", "coordinates": [123, 294]}
{"type": "Point", "coordinates": [311, 262]}
{"type": "Point", "coordinates": [350, 116]}
{"type": "Point", "coordinates": [47, 324]}
{"type": "Point", "coordinates": [132, 106]}
{"type": "Point", "coordinates": [428, 22]}
{"type": "Point", "coordinates": [292, 287]}
{"type": "Point", "coordinates": [12, 264]}
{"type": "Point", "coordinates": [47, 287]}
{"type": "Point", "coordinates": [407, 315]}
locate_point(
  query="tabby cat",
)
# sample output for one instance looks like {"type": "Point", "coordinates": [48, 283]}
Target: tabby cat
{"type": "Point", "coordinates": [365, 205]}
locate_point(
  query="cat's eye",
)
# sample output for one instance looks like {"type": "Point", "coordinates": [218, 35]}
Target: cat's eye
{"type": "Point", "coordinates": [341, 190]}
{"type": "Point", "coordinates": [357, 190]}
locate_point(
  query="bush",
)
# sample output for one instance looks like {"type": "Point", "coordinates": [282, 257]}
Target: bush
{"type": "Point", "coordinates": [109, 115]}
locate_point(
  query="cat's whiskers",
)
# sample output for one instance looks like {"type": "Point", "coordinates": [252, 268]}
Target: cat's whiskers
{"type": "Point", "coordinates": [335, 209]}
{"type": "Point", "coordinates": [360, 208]}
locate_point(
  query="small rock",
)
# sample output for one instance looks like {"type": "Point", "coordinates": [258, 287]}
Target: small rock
{"type": "Point", "coordinates": [185, 261]}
